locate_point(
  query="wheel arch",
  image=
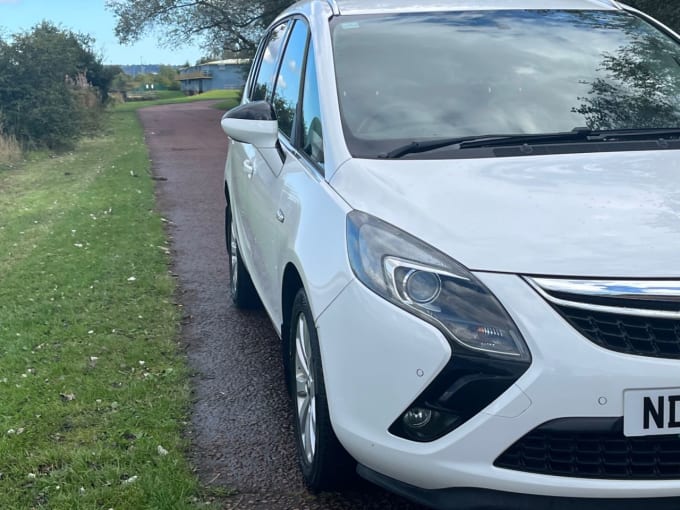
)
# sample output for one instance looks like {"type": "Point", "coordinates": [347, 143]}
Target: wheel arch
{"type": "Point", "coordinates": [291, 284]}
{"type": "Point", "coordinates": [227, 212]}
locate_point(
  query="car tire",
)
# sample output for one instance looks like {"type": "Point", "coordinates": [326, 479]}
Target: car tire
{"type": "Point", "coordinates": [243, 292]}
{"type": "Point", "coordinates": [324, 463]}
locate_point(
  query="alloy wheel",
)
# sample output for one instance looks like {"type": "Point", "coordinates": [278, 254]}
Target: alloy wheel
{"type": "Point", "coordinates": [305, 391]}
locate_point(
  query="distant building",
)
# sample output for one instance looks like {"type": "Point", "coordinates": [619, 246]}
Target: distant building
{"type": "Point", "coordinates": [219, 74]}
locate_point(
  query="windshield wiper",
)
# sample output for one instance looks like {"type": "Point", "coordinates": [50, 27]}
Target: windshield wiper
{"type": "Point", "coordinates": [575, 135]}
{"type": "Point", "coordinates": [416, 147]}
{"type": "Point", "coordinates": [637, 134]}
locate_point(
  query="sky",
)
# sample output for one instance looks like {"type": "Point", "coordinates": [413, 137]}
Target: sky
{"type": "Point", "coordinates": [90, 17]}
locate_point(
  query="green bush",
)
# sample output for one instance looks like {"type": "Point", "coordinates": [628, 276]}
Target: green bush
{"type": "Point", "coordinates": [52, 86]}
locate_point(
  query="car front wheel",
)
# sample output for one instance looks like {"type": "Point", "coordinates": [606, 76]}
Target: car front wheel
{"type": "Point", "coordinates": [324, 463]}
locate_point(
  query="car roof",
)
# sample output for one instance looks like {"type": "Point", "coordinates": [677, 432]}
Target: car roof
{"type": "Point", "coordinates": [387, 6]}
{"type": "Point", "coordinates": [349, 7]}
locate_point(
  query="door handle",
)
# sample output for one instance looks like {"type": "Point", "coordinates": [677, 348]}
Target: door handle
{"type": "Point", "coordinates": [248, 168]}
{"type": "Point", "coordinates": [280, 217]}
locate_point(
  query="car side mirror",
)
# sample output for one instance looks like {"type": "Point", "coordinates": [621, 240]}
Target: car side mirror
{"type": "Point", "coordinates": [253, 123]}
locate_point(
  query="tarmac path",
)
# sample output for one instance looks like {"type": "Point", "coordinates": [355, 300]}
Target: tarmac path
{"type": "Point", "coordinates": [241, 428]}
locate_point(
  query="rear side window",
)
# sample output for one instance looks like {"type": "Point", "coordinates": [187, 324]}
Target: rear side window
{"type": "Point", "coordinates": [270, 56]}
{"type": "Point", "coordinates": [287, 92]}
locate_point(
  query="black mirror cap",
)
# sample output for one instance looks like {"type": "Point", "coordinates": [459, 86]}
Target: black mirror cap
{"type": "Point", "coordinates": [257, 110]}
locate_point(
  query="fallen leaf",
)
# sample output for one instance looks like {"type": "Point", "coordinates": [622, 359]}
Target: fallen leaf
{"type": "Point", "coordinates": [130, 480]}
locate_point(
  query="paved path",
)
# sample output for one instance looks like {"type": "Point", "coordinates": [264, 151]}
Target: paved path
{"type": "Point", "coordinates": [241, 426]}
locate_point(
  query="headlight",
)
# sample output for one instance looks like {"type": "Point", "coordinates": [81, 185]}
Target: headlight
{"type": "Point", "coordinates": [432, 286]}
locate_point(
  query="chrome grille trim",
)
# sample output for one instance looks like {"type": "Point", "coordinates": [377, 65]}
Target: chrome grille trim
{"type": "Point", "coordinates": [623, 291]}
{"type": "Point", "coordinates": [634, 289]}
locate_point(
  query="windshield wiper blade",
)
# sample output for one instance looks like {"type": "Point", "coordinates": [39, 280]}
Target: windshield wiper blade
{"type": "Point", "coordinates": [469, 142]}
{"type": "Point", "coordinates": [579, 134]}
{"type": "Point", "coordinates": [575, 135]}
{"type": "Point", "coordinates": [416, 147]}
{"type": "Point", "coordinates": [641, 134]}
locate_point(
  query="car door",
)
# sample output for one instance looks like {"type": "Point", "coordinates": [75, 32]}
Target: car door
{"type": "Point", "coordinates": [262, 211]}
{"type": "Point", "coordinates": [251, 168]}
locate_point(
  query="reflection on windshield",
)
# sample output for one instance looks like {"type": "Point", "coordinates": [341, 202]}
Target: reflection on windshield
{"type": "Point", "coordinates": [640, 88]}
{"type": "Point", "coordinates": [422, 76]}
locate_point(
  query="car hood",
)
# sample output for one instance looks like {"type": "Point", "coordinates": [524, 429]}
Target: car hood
{"type": "Point", "coordinates": [589, 215]}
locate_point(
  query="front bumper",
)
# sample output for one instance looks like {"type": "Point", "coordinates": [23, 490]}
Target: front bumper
{"type": "Point", "coordinates": [377, 359]}
{"type": "Point", "coordinates": [485, 499]}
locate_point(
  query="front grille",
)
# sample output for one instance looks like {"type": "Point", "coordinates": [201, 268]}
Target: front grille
{"type": "Point", "coordinates": [643, 336]}
{"type": "Point", "coordinates": [640, 317]}
{"type": "Point", "coordinates": [593, 448]}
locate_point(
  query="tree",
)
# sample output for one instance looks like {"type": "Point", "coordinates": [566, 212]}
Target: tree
{"type": "Point", "coordinates": [219, 25]}
{"type": "Point", "coordinates": [663, 10]}
{"type": "Point", "coordinates": [50, 82]}
{"type": "Point", "coordinates": [167, 78]}
{"type": "Point", "coordinates": [121, 82]}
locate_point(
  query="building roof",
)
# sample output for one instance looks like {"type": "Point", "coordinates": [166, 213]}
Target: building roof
{"type": "Point", "coordinates": [227, 62]}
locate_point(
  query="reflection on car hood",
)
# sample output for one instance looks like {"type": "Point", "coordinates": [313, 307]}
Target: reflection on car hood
{"type": "Point", "coordinates": [602, 215]}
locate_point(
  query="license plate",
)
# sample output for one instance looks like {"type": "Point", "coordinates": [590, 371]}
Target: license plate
{"type": "Point", "coordinates": [651, 412]}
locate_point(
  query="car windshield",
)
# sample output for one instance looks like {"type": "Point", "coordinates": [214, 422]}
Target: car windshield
{"type": "Point", "coordinates": [412, 77]}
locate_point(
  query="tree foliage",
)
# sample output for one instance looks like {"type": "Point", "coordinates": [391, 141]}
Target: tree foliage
{"type": "Point", "coordinates": [668, 12]}
{"type": "Point", "coordinates": [234, 25]}
{"type": "Point", "coordinates": [164, 79]}
{"type": "Point", "coordinates": [638, 85]}
{"type": "Point", "coordinates": [167, 78]}
{"type": "Point", "coordinates": [50, 82]}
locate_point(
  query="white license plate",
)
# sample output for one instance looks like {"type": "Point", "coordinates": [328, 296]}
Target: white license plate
{"type": "Point", "coordinates": [651, 412]}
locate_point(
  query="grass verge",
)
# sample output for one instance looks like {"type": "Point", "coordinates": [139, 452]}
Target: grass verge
{"type": "Point", "coordinates": [228, 99]}
{"type": "Point", "coordinates": [93, 386]}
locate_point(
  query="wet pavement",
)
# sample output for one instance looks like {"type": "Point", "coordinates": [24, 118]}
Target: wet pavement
{"type": "Point", "coordinates": [241, 427]}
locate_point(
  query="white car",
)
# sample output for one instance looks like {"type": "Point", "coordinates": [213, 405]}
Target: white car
{"type": "Point", "coordinates": [463, 219]}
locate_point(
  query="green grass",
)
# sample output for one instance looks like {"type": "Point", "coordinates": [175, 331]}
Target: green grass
{"type": "Point", "coordinates": [169, 94]}
{"type": "Point", "coordinates": [229, 99]}
{"type": "Point", "coordinates": [92, 380]}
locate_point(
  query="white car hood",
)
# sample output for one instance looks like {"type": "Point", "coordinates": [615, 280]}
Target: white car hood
{"type": "Point", "coordinates": [590, 215]}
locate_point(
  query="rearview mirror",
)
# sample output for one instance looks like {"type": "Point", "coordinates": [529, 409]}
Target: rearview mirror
{"type": "Point", "coordinates": [253, 123]}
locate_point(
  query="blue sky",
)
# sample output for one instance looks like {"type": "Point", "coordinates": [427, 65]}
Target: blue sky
{"type": "Point", "coordinates": [90, 16]}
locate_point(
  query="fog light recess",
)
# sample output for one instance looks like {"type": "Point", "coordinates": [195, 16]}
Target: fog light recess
{"type": "Point", "coordinates": [417, 418]}
{"type": "Point", "coordinates": [423, 424]}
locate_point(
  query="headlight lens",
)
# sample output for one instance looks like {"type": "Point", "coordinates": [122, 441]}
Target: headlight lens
{"type": "Point", "coordinates": [429, 284]}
